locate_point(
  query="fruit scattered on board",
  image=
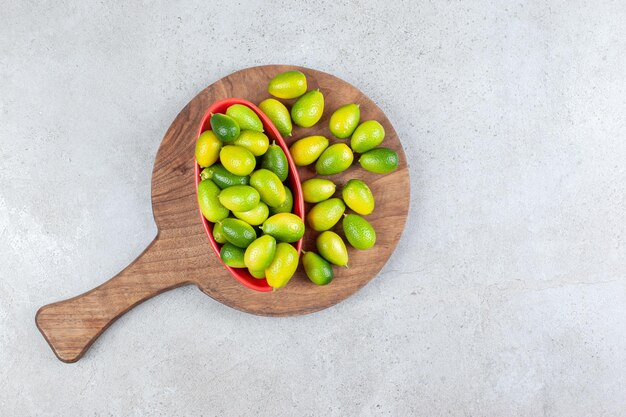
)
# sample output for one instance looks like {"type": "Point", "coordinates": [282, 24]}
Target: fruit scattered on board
{"type": "Point", "coordinates": [241, 198]}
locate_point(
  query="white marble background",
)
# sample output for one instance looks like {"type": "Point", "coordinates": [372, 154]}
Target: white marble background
{"type": "Point", "coordinates": [505, 297]}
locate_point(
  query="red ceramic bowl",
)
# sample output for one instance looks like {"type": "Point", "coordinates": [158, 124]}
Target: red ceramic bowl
{"type": "Point", "coordinates": [241, 274]}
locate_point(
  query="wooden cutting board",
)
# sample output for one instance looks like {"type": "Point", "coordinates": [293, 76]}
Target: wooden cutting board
{"type": "Point", "coordinates": [181, 255]}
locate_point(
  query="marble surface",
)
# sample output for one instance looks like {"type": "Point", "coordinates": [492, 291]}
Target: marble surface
{"type": "Point", "coordinates": [506, 295]}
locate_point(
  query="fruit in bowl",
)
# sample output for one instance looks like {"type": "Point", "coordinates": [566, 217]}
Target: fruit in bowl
{"type": "Point", "coordinates": [235, 195]}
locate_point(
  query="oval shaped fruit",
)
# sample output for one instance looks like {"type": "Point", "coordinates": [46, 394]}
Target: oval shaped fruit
{"type": "Point", "coordinates": [257, 274]}
{"type": "Point", "coordinates": [315, 190]}
{"type": "Point", "coordinates": [260, 253]}
{"type": "Point", "coordinates": [287, 206]}
{"type": "Point", "coordinates": [344, 120]}
{"type": "Point", "coordinates": [278, 114]}
{"type": "Point", "coordinates": [206, 173]}
{"type": "Point", "coordinates": [218, 233]}
{"type": "Point", "coordinates": [276, 161]}
{"type": "Point", "coordinates": [358, 196]}
{"type": "Point", "coordinates": [238, 232]}
{"type": "Point", "coordinates": [308, 109]}
{"type": "Point", "coordinates": [225, 127]}
{"type": "Point", "coordinates": [232, 256]}
{"type": "Point", "coordinates": [255, 216]}
{"type": "Point", "coordinates": [335, 159]}
{"type": "Point", "coordinates": [239, 198]}
{"type": "Point", "coordinates": [359, 231]}
{"type": "Point", "coordinates": [207, 149]}
{"type": "Point", "coordinates": [269, 186]}
{"type": "Point", "coordinates": [367, 136]}
{"type": "Point", "coordinates": [326, 214]}
{"type": "Point", "coordinates": [379, 160]}
{"type": "Point", "coordinates": [209, 202]}
{"type": "Point", "coordinates": [331, 247]}
{"type": "Point", "coordinates": [286, 227]}
{"type": "Point", "coordinates": [245, 117]}
{"type": "Point", "coordinates": [306, 150]}
{"type": "Point", "coordinates": [237, 160]}
{"type": "Point", "coordinates": [289, 84]}
{"type": "Point", "coordinates": [255, 142]}
{"type": "Point", "coordinates": [318, 269]}
{"type": "Point", "coordinates": [283, 266]}
{"type": "Point", "coordinates": [222, 177]}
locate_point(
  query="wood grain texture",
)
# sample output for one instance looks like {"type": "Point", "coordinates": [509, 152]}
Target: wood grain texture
{"type": "Point", "coordinates": [181, 254]}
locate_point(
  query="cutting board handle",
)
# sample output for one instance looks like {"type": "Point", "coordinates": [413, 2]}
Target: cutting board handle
{"type": "Point", "coordinates": [72, 325]}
